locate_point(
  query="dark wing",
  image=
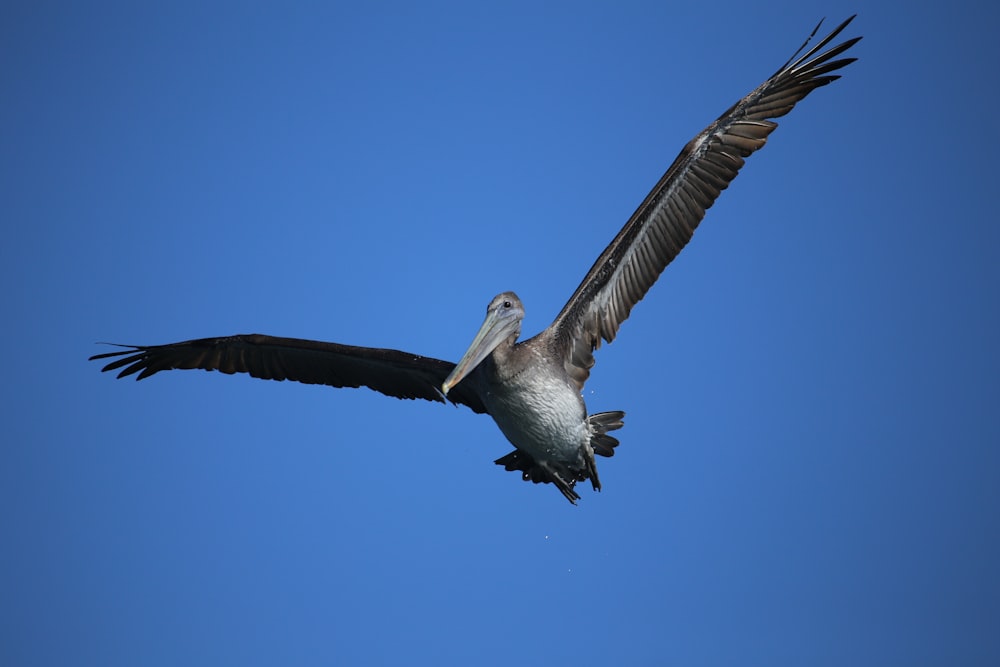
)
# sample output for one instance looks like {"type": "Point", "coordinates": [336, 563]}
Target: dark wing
{"type": "Point", "coordinates": [390, 372]}
{"type": "Point", "coordinates": [667, 218]}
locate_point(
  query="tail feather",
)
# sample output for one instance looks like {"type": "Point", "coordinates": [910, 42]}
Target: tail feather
{"type": "Point", "coordinates": [601, 423]}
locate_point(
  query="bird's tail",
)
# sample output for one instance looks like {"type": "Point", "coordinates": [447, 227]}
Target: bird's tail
{"type": "Point", "coordinates": [600, 424]}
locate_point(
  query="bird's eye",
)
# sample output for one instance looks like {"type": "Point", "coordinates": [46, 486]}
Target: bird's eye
{"type": "Point", "coordinates": [506, 304]}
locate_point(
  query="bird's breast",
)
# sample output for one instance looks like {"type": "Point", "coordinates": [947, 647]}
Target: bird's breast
{"type": "Point", "coordinates": [539, 412]}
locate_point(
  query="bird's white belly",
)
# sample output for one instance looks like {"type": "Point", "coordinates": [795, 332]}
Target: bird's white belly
{"type": "Point", "coordinates": [541, 415]}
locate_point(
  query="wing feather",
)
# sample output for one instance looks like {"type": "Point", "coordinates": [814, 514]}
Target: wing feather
{"type": "Point", "coordinates": [665, 221]}
{"type": "Point", "coordinates": [390, 372]}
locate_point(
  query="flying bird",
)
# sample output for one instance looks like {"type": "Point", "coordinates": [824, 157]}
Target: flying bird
{"type": "Point", "coordinates": [532, 388]}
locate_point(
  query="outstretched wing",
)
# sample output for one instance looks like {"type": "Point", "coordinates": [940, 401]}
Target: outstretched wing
{"type": "Point", "coordinates": [390, 372]}
{"type": "Point", "coordinates": [667, 218]}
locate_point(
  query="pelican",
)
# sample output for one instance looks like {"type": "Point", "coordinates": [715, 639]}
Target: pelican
{"type": "Point", "coordinates": [532, 389]}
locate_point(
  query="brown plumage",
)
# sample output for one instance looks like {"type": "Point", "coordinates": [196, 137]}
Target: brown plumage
{"type": "Point", "coordinates": [532, 388]}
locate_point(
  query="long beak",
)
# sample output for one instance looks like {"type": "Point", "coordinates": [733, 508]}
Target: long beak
{"type": "Point", "coordinates": [496, 328]}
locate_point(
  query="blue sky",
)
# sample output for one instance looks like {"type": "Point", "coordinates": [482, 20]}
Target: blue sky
{"type": "Point", "coordinates": [809, 471]}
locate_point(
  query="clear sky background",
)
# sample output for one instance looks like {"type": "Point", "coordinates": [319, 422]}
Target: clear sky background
{"type": "Point", "coordinates": [810, 468]}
